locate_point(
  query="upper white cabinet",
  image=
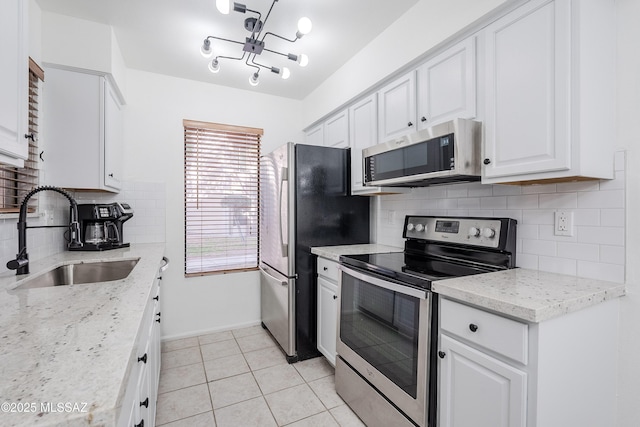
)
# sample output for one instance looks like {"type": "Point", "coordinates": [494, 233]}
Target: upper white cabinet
{"type": "Point", "coordinates": [447, 85]}
{"type": "Point", "coordinates": [549, 82]}
{"type": "Point", "coordinates": [363, 133]}
{"type": "Point", "coordinates": [336, 130]}
{"type": "Point", "coordinates": [83, 130]}
{"type": "Point", "coordinates": [315, 135]}
{"type": "Point", "coordinates": [397, 108]}
{"type": "Point", "coordinates": [14, 68]}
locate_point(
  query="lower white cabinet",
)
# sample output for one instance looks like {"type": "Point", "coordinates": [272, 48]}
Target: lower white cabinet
{"type": "Point", "coordinates": [139, 404]}
{"type": "Point", "coordinates": [327, 308]}
{"type": "Point", "coordinates": [479, 390]}
{"type": "Point", "coordinates": [495, 371]}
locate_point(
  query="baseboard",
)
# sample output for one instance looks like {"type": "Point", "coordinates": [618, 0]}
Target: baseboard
{"type": "Point", "coordinates": [209, 331]}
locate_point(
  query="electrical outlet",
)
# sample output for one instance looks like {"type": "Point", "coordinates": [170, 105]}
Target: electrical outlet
{"type": "Point", "coordinates": [563, 223]}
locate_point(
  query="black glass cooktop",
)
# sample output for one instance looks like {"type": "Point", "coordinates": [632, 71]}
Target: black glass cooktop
{"type": "Point", "coordinates": [411, 269]}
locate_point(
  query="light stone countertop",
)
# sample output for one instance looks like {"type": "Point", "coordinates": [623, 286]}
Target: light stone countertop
{"type": "Point", "coordinates": [72, 344]}
{"type": "Point", "coordinates": [529, 295]}
{"type": "Point", "coordinates": [333, 252]}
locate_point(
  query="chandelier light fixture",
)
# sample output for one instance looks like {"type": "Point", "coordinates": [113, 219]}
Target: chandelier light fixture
{"type": "Point", "coordinates": [254, 45]}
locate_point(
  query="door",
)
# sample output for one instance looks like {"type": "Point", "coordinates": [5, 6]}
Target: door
{"type": "Point", "coordinates": [528, 59]}
{"type": "Point", "coordinates": [447, 85]}
{"type": "Point", "coordinates": [327, 318]}
{"type": "Point", "coordinates": [363, 118]}
{"type": "Point", "coordinates": [479, 390]}
{"type": "Point", "coordinates": [277, 299]}
{"type": "Point", "coordinates": [397, 108]}
{"type": "Point", "coordinates": [113, 134]}
{"type": "Point", "coordinates": [384, 333]}
{"type": "Point", "coordinates": [276, 218]}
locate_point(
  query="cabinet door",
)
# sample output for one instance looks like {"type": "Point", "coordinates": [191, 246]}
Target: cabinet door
{"type": "Point", "coordinates": [527, 90]}
{"type": "Point", "coordinates": [447, 85]}
{"type": "Point", "coordinates": [363, 133]}
{"type": "Point", "coordinates": [479, 390]}
{"type": "Point", "coordinates": [14, 68]}
{"type": "Point", "coordinates": [315, 136]}
{"type": "Point", "coordinates": [397, 108]}
{"type": "Point", "coordinates": [113, 134]}
{"type": "Point", "coordinates": [336, 130]}
{"type": "Point", "coordinates": [73, 126]}
{"type": "Point", "coordinates": [327, 319]}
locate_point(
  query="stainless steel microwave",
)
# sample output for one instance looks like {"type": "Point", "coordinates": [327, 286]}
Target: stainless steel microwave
{"type": "Point", "coordinates": [445, 153]}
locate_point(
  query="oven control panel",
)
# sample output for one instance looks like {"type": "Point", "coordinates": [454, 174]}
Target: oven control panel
{"type": "Point", "coordinates": [483, 232]}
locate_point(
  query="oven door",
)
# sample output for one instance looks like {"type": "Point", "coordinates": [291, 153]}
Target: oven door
{"type": "Point", "coordinates": [384, 334]}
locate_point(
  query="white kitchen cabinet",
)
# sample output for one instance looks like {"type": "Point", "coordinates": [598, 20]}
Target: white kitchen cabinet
{"type": "Point", "coordinates": [141, 395]}
{"type": "Point", "coordinates": [397, 108]}
{"type": "Point", "coordinates": [549, 102]}
{"type": "Point", "coordinates": [83, 131]}
{"type": "Point", "coordinates": [497, 371]}
{"type": "Point", "coordinates": [447, 85]}
{"type": "Point", "coordinates": [315, 135]}
{"type": "Point", "coordinates": [327, 289]}
{"type": "Point", "coordinates": [14, 68]}
{"type": "Point", "coordinates": [336, 130]}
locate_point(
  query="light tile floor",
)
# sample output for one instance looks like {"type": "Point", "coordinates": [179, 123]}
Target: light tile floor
{"type": "Point", "coordinates": [241, 378]}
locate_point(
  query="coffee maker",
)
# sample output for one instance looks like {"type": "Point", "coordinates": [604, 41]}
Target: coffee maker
{"type": "Point", "coordinates": [101, 225]}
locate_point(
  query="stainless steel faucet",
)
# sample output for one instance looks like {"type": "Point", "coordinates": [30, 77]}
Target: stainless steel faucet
{"type": "Point", "coordinates": [21, 263]}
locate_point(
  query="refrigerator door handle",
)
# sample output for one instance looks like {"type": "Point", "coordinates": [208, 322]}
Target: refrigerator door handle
{"type": "Point", "coordinates": [266, 273]}
{"type": "Point", "coordinates": [284, 176]}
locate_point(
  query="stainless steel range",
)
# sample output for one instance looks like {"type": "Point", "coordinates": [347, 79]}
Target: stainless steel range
{"type": "Point", "coordinates": [387, 321]}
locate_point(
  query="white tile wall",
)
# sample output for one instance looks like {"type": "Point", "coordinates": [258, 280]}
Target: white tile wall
{"type": "Point", "coordinates": [148, 201]}
{"type": "Point", "coordinates": [596, 249]}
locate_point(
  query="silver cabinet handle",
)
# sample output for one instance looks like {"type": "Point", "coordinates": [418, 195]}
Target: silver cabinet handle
{"type": "Point", "coordinates": [165, 265]}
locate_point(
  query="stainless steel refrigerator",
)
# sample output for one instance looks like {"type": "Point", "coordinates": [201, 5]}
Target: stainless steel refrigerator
{"type": "Point", "coordinates": [305, 201]}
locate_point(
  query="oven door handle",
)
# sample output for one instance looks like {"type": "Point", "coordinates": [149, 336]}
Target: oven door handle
{"type": "Point", "coordinates": [395, 287]}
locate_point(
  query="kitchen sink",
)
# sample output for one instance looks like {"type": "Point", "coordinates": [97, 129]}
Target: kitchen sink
{"type": "Point", "coordinates": [80, 273]}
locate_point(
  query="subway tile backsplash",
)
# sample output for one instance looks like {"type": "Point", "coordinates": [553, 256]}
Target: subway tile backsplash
{"type": "Point", "coordinates": [146, 226]}
{"type": "Point", "coordinates": [596, 249]}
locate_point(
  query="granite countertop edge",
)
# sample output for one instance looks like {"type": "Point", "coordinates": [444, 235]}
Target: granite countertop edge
{"type": "Point", "coordinates": [333, 252]}
{"type": "Point", "coordinates": [529, 295]}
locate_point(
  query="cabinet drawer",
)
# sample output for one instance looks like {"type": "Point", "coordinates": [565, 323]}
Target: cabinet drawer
{"type": "Point", "coordinates": [328, 269]}
{"type": "Point", "coordinates": [504, 336]}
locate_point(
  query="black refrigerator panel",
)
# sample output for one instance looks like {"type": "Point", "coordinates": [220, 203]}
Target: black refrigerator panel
{"type": "Point", "coordinates": [326, 215]}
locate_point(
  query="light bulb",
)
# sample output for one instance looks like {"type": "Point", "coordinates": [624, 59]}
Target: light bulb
{"type": "Point", "coordinates": [253, 80]}
{"type": "Point", "coordinates": [205, 49]}
{"type": "Point", "coordinates": [303, 60]}
{"type": "Point", "coordinates": [223, 6]}
{"type": "Point", "coordinates": [304, 25]}
{"type": "Point", "coordinates": [214, 66]}
{"type": "Point", "coordinates": [285, 73]}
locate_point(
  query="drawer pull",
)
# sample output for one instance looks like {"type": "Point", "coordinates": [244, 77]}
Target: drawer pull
{"type": "Point", "coordinates": [157, 298]}
{"type": "Point", "coordinates": [442, 354]}
{"type": "Point", "coordinates": [141, 424]}
{"type": "Point", "coordinates": [143, 359]}
{"type": "Point", "coordinates": [473, 327]}
{"type": "Point", "coordinates": [335, 297]}
{"type": "Point", "coordinates": [145, 403]}
{"type": "Point", "coordinates": [325, 268]}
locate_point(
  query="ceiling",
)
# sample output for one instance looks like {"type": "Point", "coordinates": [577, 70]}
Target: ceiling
{"type": "Point", "coordinates": [164, 36]}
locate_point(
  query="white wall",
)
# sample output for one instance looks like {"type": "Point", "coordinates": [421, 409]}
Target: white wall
{"type": "Point", "coordinates": [153, 153]}
{"type": "Point", "coordinates": [628, 137]}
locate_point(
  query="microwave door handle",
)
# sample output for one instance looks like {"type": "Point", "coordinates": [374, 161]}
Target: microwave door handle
{"type": "Point", "coordinates": [284, 246]}
{"type": "Point", "coordinates": [394, 287]}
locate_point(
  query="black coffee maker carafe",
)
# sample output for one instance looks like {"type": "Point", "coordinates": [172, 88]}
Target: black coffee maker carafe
{"type": "Point", "coordinates": [101, 225]}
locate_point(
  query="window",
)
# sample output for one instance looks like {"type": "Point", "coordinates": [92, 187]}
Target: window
{"type": "Point", "coordinates": [15, 183]}
{"type": "Point", "coordinates": [221, 182]}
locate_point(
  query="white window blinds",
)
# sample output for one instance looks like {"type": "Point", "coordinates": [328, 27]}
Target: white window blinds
{"type": "Point", "coordinates": [221, 182]}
